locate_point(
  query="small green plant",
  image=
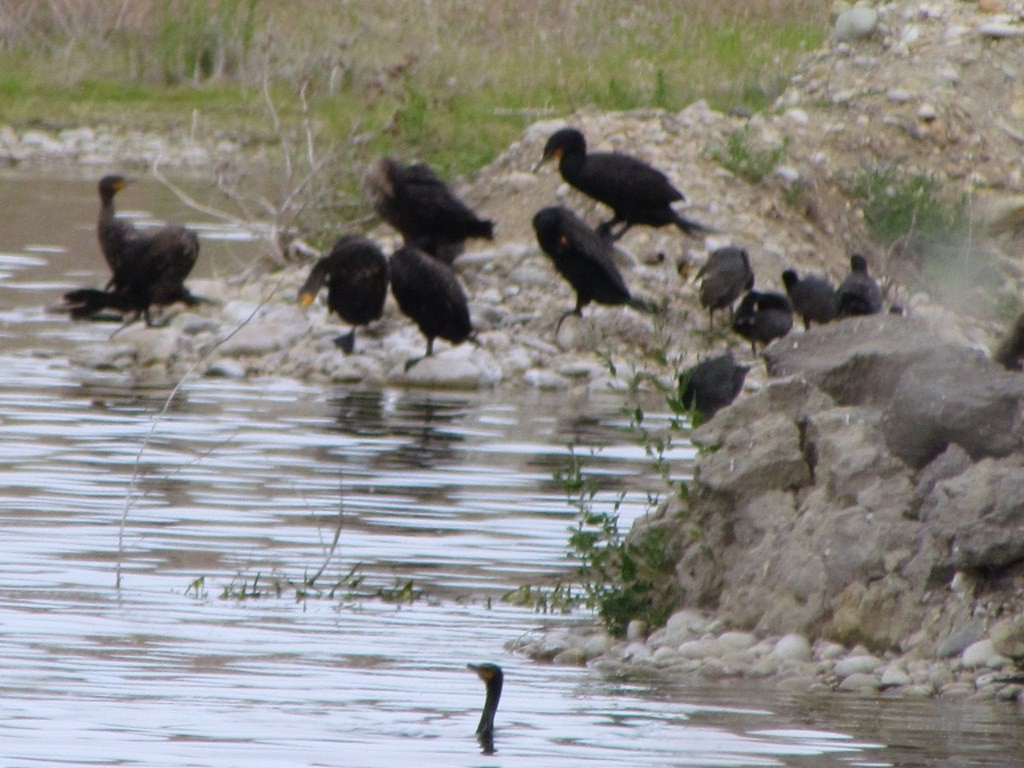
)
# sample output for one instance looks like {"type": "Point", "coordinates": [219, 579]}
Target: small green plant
{"type": "Point", "coordinates": [896, 205]}
{"type": "Point", "coordinates": [617, 578]}
{"type": "Point", "coordinates": [741, 157]}
{"type": "Point", "coordinates": [276, 584]}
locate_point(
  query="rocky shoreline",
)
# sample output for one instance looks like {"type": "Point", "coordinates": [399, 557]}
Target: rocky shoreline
{"type": "Point", "coordinates": [860, 509]}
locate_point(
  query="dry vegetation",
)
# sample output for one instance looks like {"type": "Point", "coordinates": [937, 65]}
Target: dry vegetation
{"type": "Point", "coordinates": [451, 81]}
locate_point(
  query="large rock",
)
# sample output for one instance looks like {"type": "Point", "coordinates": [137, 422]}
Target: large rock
{"type": "Point", "coordinates": [861, 360]}
{"type": "Point", "coordinates": [970, 403]}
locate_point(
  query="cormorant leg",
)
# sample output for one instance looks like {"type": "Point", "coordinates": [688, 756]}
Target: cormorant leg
{"type": "Point", "coordinates": [578, 311]}
{"type": "Point", "coordinates": [346, 342]}
{"type": "Point", "coordinates": [430, 352]}
{"type": "Point", "coordinates": [620, 233]}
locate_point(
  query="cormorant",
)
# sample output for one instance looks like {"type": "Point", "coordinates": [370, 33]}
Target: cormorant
{"type": "Point", "coordinates": [148, 268]}
{"type": "Point", "coordinates": [636, 192]}
{"type": "Point", "coordinates": [493, 678]}
{"type": "Point", "coordinates": [428, 292]}
{"type": "Point", "coordinates": [356, 273]}
{"type": "Point", "coordinates": [814, 297]}
{"type": "Point", "coordinates": [428, 215]}
{"type": "Point", "coordinates": [859, 293]}
{"type": "Point", "coordinates": [763, 316]}
{"type": "Point", "coordinates": [724, 277]}
{"type": "Point", "coordinates": [712, 384]}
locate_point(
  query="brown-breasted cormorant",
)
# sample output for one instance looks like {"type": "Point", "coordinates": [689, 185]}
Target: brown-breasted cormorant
{"type": "Point", "coordinates": [493, 678]}
{"type": "Point", "coordinates": [356, 274]}
{"type": "Point", "coordinates": [724, 277]}
{"type": "Point", "coordinates": [428, 215]}
{"type": "Point", "coordinates": [636, 192]}
{"type": "Point", "coordinates": [148, 268]}
{"type": "Point", "coordinates": [859, 293]}
{"type": "Point", "coordinates": [583, 258]}
{"type": "Point", "coordinates": [814, 297]}
{"type": "Point", "coordinates": [428, 292]}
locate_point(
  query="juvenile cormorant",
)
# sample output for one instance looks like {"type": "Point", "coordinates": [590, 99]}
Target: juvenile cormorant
{"type": "Point", "coordinates": [712, 384]}
{"type": "Point", "coordinates": [814, 297]}
{"type": "Point", "coordinates": [724, 277]}
{"type": "Point", "coordinates": [493, 678]}
{"type": "Point", "coordinates": [356, 273]}
{"type": "Point", "coordinates": [859, 293]}
{"type": "Point", "coordinates": [636, 192]}
{"type": "Point", "coordinates": [428, 215]}
{"type": "Point", "coordinates": [762, 317]}
{"type": "Point", "coordinates": [428, 292]}
{"type": "Point", "coordinates": [148, 268]}
{"type": "Point", "coordinates": [583, 258]}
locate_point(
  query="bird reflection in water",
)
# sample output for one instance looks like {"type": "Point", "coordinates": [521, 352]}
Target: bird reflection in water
{"type": "Point", "coordinates": [493, 678]}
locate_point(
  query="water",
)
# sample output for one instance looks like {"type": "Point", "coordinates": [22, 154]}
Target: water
{"type": "Point", "coordinates": [240, 486]}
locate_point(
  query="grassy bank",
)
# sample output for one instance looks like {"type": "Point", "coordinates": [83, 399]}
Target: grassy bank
{"type": "Point", "coordinates": [450, 81]}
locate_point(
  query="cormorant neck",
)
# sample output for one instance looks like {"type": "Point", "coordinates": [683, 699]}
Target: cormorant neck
{"type": "Point", "coordinates": [486, 725]}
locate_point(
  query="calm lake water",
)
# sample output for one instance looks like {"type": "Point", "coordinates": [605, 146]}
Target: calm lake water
{"type": "Point", "coordinates": [240, 486]}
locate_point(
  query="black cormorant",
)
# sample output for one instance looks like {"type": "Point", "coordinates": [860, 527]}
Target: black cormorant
{"type": "Point", "coordinates": [636, 192]}
{"type": "Point", "coordinates": [428, 292]}
{"type": "Point", "coordinates": [724, 277]}
{"type": "Point", "coordinates": [428, 215]}
{"type": "Point", "coordinates": [813, 297]}
{"type": "Point", "coordinates": [493, 678]}
{"type": "Point", "coordinates": [762, 317]}
{"type": "Point", "coordinates": [583, 258]}
{"type": "Point", "coordinates": [356, 273]}
{"type": "Point", "coordinates": [712, 384]}
{"type": "Point", "coordinates": [148, 268]}
{"type": "Point", "coordinates": [859, 293]}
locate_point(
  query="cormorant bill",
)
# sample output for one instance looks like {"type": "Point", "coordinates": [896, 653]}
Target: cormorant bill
{"type": "Point", "coordinates": [712, 384]}
{"type": "Point", "coordinates": [428, 292]}
{"type": "Point", "coordinates": [814, 297]}
{"type": "Point", "coordinates": [859, 293]}
{"type": "Point", "coordinates": [428, 215]}
{"type": "Point", "coordinates": [762, 317]}
{"type": "Point", "coordinates": [636, 192]}
{"type": "Point", "coordinates": [724, 277]}
{"type": "Point", "coordinates": [584, 259]}
{"type": "Point", "coordinates": [356, 273]}
{"type": "Point", "coordinates": [149, 268]}
{"type": "Point", "coordinates": [493, 678]}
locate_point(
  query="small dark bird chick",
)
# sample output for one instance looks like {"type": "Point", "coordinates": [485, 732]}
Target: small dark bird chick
{"type": "Point", "coordinates": [859, 293]}
{"type": "Point", "coordinates": [356, 273]}
{"type": "Point", "coordinates": [724, 277]}
{"type": "Point", "coordinates": [712, 384]}
{"type": "Point", "coordinates": [493, 678]}
{"type": "Point", "coordinates": [428, 215]}
{"type": "Point", "coordinates": [583, 258]}
{"type": "Point", "coordinates": [148, 267]}
{"type": "Point", "coordinates": [428, 293]}
{"type": "Point", "coordinates": [636, 192]}
{"type": "Point", "coordinates": [762, 317]}
{"type": "Point", "coordinates": [813, 297]}
{"type": "Point", "coordinates": [1010, 352]}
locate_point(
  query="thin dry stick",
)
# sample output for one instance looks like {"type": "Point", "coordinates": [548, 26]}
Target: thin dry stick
{"type": "Point", "coordinates": [130, 495]}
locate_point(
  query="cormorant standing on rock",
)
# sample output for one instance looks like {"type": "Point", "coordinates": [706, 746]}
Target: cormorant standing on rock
{"type": "Point", "coordinates": [859, 293]}
{"type": "Point", "coordinates": [724, 277]}
{"type": "Point", "coordinates": [493, 678]}
{"type": "Point", "coordinates": [712, 384]}
{"type": "Point", "coordinates": [583, 258]}
{"type": "Point", "coordinates": [356, 273]}
{"type": "Point", "coordinates": [636, 192]}
{"type": "Point", "coordinates": [762, 317]}
{"type": "Point", "coordinates": [428, 292]}
{"type": "Point", "coordinates": [428, 215]}
{"type": "Point", "coordinates": [148, 268]}
{"type": "Point", "coordinates": [814, 298]}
